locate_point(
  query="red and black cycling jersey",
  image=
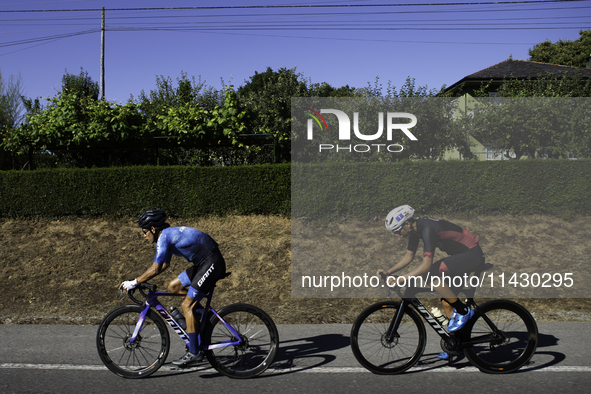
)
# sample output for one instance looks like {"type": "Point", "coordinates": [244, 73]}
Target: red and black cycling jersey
{"type": "Point", "coordinates": [446, 236]}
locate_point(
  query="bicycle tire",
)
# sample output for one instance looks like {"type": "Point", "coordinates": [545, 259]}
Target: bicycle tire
{"type": "Point", "coordinates": [260, 336]}
{"type": "Point", "coordinates": [502, 355]}
{"type": "Point", "coordinates": [140, 359]}
{"type": "Point", "coordinates": [372, 349]}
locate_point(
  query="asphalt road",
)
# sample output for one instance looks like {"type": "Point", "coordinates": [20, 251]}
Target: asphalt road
{"type": "Point", "coordinates": [312, 358]}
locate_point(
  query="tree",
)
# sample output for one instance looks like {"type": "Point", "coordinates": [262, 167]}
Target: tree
{"type": "Point", "coordinates": [70, 125]}
{"type": "Point", "coordinates": [519, 125]}
{"type": "Point", "coordinates": [11, 111]}
{"type": "Point", "coordinates": [85, 132]}
{"type": "Point", "coordinates": [544, 116]}
{"type": "Point", "coordinates": [185, 106]}
{"type": "Point", "coordinates": [11, 102]}
{"type": "Point", "coordinates": [80, 85]}
{"type": "Point", "coordinates": [188, 91]}
{"type": "Point", "coordinates": [532, 126]}
{"type": "Point", "coordinates": [570, 83]}
{"type": "Point", "coordinates": [267, 97]}
{"type": "Point", "coordinates": [193, 125]}
{"type": "Point", "coordinates": [436, 132]}
{"type": "Point", "coordinates": [325, 90]}
{"type": "Point", "coordinates": [564, 52]}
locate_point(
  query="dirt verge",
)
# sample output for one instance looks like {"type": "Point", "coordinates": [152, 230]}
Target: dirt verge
{"type": "Point", "coordinates": [67, 271]}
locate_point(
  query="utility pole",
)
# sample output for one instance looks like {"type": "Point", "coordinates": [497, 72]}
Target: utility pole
{"type": "Point", "coordinates": [102, 77]}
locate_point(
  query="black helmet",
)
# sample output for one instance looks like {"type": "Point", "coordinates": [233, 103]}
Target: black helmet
{"type": "Point", "coordinates": [153, 218]}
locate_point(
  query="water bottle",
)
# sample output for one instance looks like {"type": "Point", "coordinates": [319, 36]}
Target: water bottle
{"type": "Point", "coordinates": [178, 316]}
{"type": "Point", "coordinates": [439, 316]}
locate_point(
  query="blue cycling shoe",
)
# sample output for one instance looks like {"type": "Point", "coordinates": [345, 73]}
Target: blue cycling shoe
{"type": "Point", "coordinates": [457, 321]}
{"type": "Point", "coordinates": [443, 356]}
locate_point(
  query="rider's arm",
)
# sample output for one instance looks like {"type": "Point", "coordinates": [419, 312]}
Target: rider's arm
{"type": "Point", "coordinates": [154, 270]}
{"type": "Point", "coordinates": [424, 267]}
{"type": "Point", "coordinates": [429, 236]}
{"type": "Point", "coordinates": [408, 257]}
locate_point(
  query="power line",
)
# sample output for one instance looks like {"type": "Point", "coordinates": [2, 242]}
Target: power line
{"type": "Point", "coordinates": [269, 21]}
{"type": "Point", "coordinates": [526, 21]}
{"type": "Point", "coordinates": [349, 28]}
{"type": "Point", "coordinates": [296, 15]}
{"type": "Point", "coordinates": [309, 6]}
{"type": "Point", "coordinates": [286, 18]}
{"type": "Point", "coordinates": [47, 38]}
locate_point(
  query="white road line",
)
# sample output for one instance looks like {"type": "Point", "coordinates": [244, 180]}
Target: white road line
{"type": "Point", "coordinates": [53, 366]}
{"type": "Point", "coordinates": [74, 367]}
{"type": "Point", "coordinates": [168, 368]}
{"type": "Point", "coordinates": [428, 369]}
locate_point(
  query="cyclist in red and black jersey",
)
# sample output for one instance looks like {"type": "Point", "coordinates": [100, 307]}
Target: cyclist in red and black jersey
{"type": "Point", "coordinates": [465, 255]}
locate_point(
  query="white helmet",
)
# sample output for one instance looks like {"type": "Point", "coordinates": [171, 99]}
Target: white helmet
{"type": "Point", "coordinates": [398, 216]}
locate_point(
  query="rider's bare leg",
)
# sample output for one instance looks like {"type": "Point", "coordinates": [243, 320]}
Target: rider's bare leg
{"type": "Point", "coordinates": [451, 298]}
{"type": "Point", "coordinates": [447, 308]}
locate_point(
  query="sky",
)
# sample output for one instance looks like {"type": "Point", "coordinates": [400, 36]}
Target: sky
{"type": "Point", "coordinates": [340, 42]}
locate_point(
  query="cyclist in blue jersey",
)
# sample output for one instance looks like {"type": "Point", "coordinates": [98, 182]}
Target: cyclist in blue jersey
{"type": "Point", "coordinates": [198, 248]}
{"type": "Point", "coordinates": [464, 256]}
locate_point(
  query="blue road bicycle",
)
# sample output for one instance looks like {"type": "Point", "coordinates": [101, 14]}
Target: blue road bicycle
{"type": "Point", "coordinates": [239, 340]}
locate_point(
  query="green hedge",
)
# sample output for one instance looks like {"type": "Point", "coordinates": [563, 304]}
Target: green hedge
{"type": "Point", "coordinates": [127, 191]}
{"type": "Point", "coordinates": [561, 187]}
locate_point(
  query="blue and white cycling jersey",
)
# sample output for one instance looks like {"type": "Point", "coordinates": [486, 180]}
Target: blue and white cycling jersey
{"type": "Point", "coordinates": [187, 242]}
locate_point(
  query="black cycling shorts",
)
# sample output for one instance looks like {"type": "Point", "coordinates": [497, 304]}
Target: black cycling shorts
{"type": "Point", "coordinates": [201, 277]}
{"type": "Point", "coordinates": [459, 264]}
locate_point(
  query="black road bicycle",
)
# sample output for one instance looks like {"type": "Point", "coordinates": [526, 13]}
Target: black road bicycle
{"type": "Point", "coordinates": [389, 337]}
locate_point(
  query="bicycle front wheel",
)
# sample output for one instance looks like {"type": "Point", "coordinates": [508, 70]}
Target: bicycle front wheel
{"type": "Point", "coordinates": [510, 348]}
{"type": "Point", "coordinates": [259, 336]}
{"type": "Point", "coordinates": [142, 357]}
{"type": "Point", "coordinates": [372, 347]}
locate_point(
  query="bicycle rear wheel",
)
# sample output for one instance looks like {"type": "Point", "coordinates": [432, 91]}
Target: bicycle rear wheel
{"type": "Point", "coordinates": [260, 341]}
{"type": "Point", "coordinates": [508, 351]}
{"type": "Point", "coordinates": [142, 357]}
{"type": "Point", "coordinates": [371, 346]}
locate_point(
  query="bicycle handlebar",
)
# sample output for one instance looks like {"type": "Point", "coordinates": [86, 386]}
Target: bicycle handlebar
{"type": "Point", "coordinates": [395, 288]}
{"type": "Point", "coordinates": [140, 287]}
{"type": "Point", "coordinates": [146, 286]}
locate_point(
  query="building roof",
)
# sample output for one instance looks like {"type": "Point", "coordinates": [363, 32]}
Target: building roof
{"type": "Point", "coordinates": [520, 69]}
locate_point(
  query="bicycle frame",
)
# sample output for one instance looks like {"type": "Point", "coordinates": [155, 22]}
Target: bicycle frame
{"type": "Point", "coordinates": [409, 298]}
{"type": "Point", "coordinates": [152, 302]}
{"type": "Point", "coordinates": [451, 338]}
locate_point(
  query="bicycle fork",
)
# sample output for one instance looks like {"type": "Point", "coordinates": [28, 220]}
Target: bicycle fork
{"type": "Point", "coordinates": [140, 323]}
{"type": "Point", "coordinates": [392, 332]}
{"type": "Point", "coordinates": [393, 329]}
